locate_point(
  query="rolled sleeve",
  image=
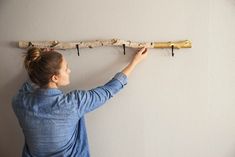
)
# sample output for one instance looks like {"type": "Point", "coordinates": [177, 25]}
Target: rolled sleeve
{"type": "Point", "coordinates": [120, 76]}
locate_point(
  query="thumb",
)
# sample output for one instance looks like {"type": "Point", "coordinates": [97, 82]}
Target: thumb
{"type": "Point", "coordinates": [141, 50]}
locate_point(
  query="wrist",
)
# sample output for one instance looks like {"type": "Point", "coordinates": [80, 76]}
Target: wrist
{"type": "Point", "coordinates": [133, 63]}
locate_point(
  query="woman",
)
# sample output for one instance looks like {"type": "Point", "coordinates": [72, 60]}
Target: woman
{"type": "Point", "coordinates": [53, 122]}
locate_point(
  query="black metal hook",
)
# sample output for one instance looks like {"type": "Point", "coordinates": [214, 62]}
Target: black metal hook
{"type": "Point", "coordinates": [172, 50]}
{"type": "Point", "coordinates": [124, 49]}
{"type": "Point", "coordinates": [77, 46]}
{"type": "Point", "coordinates": [30, 44]}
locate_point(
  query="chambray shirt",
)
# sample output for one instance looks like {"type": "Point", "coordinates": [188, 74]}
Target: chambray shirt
{"type": "Point", "coordinates": [53, 122]}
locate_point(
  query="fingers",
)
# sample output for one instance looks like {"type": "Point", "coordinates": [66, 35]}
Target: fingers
{"type": "Point", "coordinates": [140, 55]}
{"type": "Point", "coordinates": [145, 50]}
{"type": "Point", "coordinates": [142, 50]}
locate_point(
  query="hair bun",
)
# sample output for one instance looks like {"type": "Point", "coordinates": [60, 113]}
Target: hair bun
{"type": "Point", "coordinates": [32, 55]}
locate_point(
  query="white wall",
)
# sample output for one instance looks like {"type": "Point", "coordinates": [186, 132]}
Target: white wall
{"type": "Point", "coordinates": [172, 107]}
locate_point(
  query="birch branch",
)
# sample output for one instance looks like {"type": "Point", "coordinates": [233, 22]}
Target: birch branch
{"type": "Point", "coordinates": [98, 43]}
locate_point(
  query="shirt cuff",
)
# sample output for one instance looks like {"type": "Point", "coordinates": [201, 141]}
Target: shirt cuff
{"type": "Point", "coordinates": [120, 76]}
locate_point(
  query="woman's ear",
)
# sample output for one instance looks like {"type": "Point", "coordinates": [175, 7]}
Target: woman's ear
{"type": "Point", "coordinates": [55, 79]}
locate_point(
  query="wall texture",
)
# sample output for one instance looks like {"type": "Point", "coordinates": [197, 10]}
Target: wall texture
{"type": "Point", "coordinates": [172, 107]}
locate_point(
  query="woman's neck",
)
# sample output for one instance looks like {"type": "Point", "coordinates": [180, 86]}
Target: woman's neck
{"type": "Point", "coordinates": [52, 85]}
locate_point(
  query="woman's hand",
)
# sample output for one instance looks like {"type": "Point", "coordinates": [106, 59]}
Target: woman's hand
{"type": "Point", "coordinates": [139, 56]}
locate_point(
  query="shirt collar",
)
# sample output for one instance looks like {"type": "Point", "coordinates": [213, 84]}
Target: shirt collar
{"type": "Point", "coordinates": [48, 91]}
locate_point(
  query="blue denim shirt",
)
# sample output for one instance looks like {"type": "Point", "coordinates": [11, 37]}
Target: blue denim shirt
{"type": "Point", "coordinates": [53, 122]}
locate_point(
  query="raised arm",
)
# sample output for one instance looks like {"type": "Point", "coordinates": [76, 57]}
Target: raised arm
{"type": "Point", "coordinates": [91, 99]}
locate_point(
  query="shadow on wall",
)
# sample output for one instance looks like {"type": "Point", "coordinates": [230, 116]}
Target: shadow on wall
{"type": "Point", "coordinates": [11, 134]}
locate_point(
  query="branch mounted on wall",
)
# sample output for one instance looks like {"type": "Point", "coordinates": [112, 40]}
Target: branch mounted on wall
{"type": "Point", "coordinates": [59, 45]}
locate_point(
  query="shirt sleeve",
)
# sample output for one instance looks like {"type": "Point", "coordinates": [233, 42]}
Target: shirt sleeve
{"type": "Point", "coordinates": [91, 99]}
